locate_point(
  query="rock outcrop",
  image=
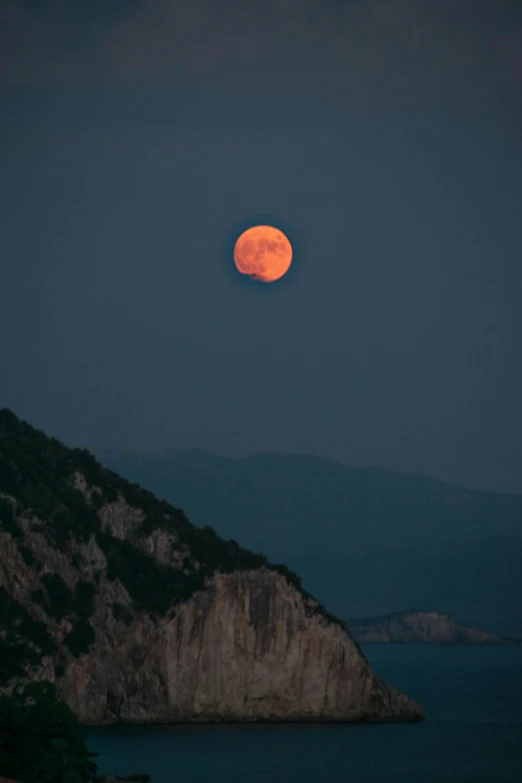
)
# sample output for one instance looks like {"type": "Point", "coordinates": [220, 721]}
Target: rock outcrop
{"type": "Point", "coordinates": [138, 616]}
{"type": "Point", "coordinates": [243, 649]}
{"type": "Point", "coordinates": [419, 627]}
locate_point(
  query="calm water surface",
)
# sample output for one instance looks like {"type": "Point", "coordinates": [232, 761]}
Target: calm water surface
{"type": "Point", "coordinates": [473, 732]}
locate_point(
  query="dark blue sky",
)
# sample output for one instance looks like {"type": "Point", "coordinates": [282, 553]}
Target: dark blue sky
{"type": "Point", "coordinates": [385, 135]}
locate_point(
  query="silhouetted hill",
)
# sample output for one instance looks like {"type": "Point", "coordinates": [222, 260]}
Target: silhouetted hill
{"type": "Point", "coordinates": [365, 540]}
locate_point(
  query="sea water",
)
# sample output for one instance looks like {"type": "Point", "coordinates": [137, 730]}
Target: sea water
{"type": "Point", "coordinates": [472, 733]}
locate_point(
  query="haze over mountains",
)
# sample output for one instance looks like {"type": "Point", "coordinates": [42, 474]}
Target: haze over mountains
{"type": "Point", "coordinates": [366, 541]}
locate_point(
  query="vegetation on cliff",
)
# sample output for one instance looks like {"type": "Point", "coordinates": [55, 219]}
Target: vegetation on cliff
{"type": "Point", "coordinates": [37, 487]}
{"type": "Point", "coordinates": [23, 640]}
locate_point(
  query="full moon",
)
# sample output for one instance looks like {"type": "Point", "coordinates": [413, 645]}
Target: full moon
{"type": "Point", "coordinates": [263, 253]}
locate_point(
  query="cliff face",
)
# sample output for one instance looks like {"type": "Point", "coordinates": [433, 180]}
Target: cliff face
{"type": "Point", "coordinates": [414, 627]}
{"type": "Point", "coordinates": [243, 649]}
{"type": "Point", "coordinates": [138, 616]}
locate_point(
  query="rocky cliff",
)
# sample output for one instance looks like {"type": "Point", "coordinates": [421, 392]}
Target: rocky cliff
{"type": "Point", "coordinates": [138, 616]}
{"type": "Point", "coordinates": [420, 627]}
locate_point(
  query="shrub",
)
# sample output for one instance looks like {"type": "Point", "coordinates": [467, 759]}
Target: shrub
{"type": "Point", "coordinates": [61, 600]}
{"type": "Point", "coordinates": [37, 633]}
{"type": "Point", "coordinates": [83, 602]}
{"type": "Point", "coordinates": [120, 612]}
{"type": "Point", "coordinates": [27, 554]}
{"type": "Point", "coordinates": [38, 597]}
{"type": "Point", "coordinates": [8, 521]}
{"type": "Point", "coordinates": [21, 634]}
{"type": "Point", "coordinates": [15, 656]}
{"type": "Point", "coordinates": [80, 638]}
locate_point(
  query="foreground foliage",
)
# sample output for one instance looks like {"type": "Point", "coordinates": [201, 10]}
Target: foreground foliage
{"type": "Point", "coordinates": [40, 739]}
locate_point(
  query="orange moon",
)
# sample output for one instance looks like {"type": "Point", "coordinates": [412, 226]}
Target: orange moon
{"type": "Point", "coordinates": [263, 253]}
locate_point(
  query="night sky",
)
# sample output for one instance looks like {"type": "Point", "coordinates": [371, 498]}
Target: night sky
{"type": "Point", "coordinates": [138, 138]}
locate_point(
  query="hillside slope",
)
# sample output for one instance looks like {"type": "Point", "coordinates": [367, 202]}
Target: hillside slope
{"type": "Point", "coordinates": [364, 540]}
{"type": "Point", "coordinates": [137, 615]}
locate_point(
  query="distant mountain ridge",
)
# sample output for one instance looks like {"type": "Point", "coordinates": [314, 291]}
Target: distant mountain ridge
{"type": "Point", "coordinates": [367, 541]}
